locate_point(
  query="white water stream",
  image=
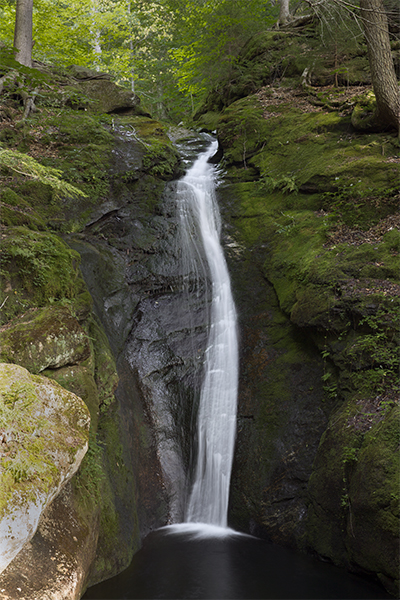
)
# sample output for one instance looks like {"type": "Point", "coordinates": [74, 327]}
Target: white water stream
{"type": "Point", "coordinates": [200, 220]}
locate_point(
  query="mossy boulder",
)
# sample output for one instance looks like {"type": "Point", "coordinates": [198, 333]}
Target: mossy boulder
{"type": "Point", "coordinates": [44, 437]}
{"type": "Point", "coordinates": [110, 98]}
{"type": "Point", "coordinates": [353, 518]}
{"type": "Point", "coordinates": [44, 338]}
{"type": "Point", "coordinates": [96, 92]}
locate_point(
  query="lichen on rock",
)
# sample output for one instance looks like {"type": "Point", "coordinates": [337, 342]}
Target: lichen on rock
{"type": "Point", "coordinates": [44, 338]}
{"type": "Point", "coordinates": [44, 432]}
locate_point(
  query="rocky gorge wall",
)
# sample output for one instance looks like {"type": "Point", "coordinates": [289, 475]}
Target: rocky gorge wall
{"type": "Point", "coordinates": [50, 326]}
{"type": "Point", "coordinates": [311, 237]}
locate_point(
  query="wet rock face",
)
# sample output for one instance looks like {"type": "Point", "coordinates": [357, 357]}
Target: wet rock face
{"type": "Point", "coordinates": [155, 317]}
{"type": "Point", "coordinates": [280, 413]}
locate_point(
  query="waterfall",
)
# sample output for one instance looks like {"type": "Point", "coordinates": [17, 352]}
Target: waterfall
{"type": "Point", "coordinates": [200, 222]}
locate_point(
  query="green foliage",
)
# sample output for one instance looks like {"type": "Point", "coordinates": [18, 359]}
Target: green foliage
{"type": "Point", "coordinates": [170, 52]}
{"type": "Point", "coordinates": [288, 226]}
{"type": "Point", "coordinates": [285, 183]}
{"type": "Point", "coordinates": [349, 454]}
{"type": "Point", "coordinates": [211, 36]}
{"type": "Point", "coordinates": [23, 164]}
{"type": "Point", "coordinates": [374, 354]}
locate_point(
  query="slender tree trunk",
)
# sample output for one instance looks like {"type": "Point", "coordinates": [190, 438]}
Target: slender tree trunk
{"type": "Point", "coordinates": [383, 75]}
{"type": "Point", "coordinates": [96, 37]}
{"type": "Point", "coordinates": [283, 12]}
{"type": "Point", "coordinates": [23, 32]}
{"type": "Point", "coordinates": [131, 49]}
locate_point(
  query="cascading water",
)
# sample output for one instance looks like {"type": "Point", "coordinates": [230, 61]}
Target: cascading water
{"type": "Point", "coordinates": [201, 561]}
{"type": "Point", "coordinates": [200, 222]}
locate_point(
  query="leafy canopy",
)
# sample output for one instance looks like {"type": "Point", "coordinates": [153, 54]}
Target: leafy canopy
{"type": "Point", "coordinates": [168, 51]}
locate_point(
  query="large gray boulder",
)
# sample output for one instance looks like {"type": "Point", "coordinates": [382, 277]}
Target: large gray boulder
{"type": "Point", "coordinates": [44, 433]}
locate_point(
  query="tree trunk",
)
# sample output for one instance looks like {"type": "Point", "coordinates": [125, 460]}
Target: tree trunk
{"type": "Point", "coordinates": [386, 87]}
{"type": "Point", "coordinates": [283, 12]}
{"type": "Point", "coordinates": [23, 32]}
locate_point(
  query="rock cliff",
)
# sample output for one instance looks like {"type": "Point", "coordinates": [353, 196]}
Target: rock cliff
{"type": "Point", "coordinates": [311, 235]}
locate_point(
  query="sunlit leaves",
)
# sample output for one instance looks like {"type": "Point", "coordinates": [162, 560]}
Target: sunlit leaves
{"type": "Point", "coordinates": [166, 49]}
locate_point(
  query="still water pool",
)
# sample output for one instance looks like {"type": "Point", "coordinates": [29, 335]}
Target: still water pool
{"type": "Point", "coordinates": [174, 563]}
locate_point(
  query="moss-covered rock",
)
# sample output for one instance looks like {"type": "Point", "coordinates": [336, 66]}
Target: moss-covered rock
{"type": "Point", "coordinates": [44, 338]}
{"type": "Point", "coordinates": [44, 437]}
{"type": "Point", "coordinates": [37, 268]}
{"type": "Point", "coordinates": [95, 91]}
{"type": "Point", "coordinates": [79, 380]}
{"type": "Point", "coordinates": [16, 211]}
{"type": "Point", "coordinates": [296, 148]}
{"type": "Point", "coordinates": [354, 512]}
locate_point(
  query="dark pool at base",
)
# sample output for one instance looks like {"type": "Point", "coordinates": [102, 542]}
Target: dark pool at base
{"type": "Point", "coordinates": [176, 566]}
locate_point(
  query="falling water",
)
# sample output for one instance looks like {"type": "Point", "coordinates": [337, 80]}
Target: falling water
{"type": "Point", "coordinates": [208, 501]}
{"type": "Point", "coordinates": [215, 562]}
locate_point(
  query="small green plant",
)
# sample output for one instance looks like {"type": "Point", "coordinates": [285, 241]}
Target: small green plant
{"type": "Point", "coordinates": [285, 183]}
{"type": "Point", "coordinates": [349, 454]}
{"type": "Point", "coordinates": [345, 500]}
{"type": "Point", "coordinates": [287, 228]}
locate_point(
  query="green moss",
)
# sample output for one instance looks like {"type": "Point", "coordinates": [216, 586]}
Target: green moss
{"type": "Point", "coordinates": [313, 150]}
{"type": "Point", "coordinates": [79, 380]}
{"type": "Point", "coordinates": [37, 267]}
{"type": "Point", "coordinates": [160, 157]}
{"type": "Point", "coordinates": [118, 539]}
{"type": "Point", "coordinates": [362, 115]}
{"type": "Point", "coordinates": [16, 211]}
{"type": "Point", "coordinates": [105, 371]}
{"type": "Point", "coordinates": [354, 488]}
{"type": "Point", "coordinates": [41, 338]}
{"type": "Point", "coordinates": [81, 148]}
{"type": "Point", "coordinates": [11, 217]}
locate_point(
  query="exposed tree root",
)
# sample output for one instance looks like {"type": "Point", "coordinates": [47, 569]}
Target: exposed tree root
{"type": "Point", "coordinates": [29, 102]}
